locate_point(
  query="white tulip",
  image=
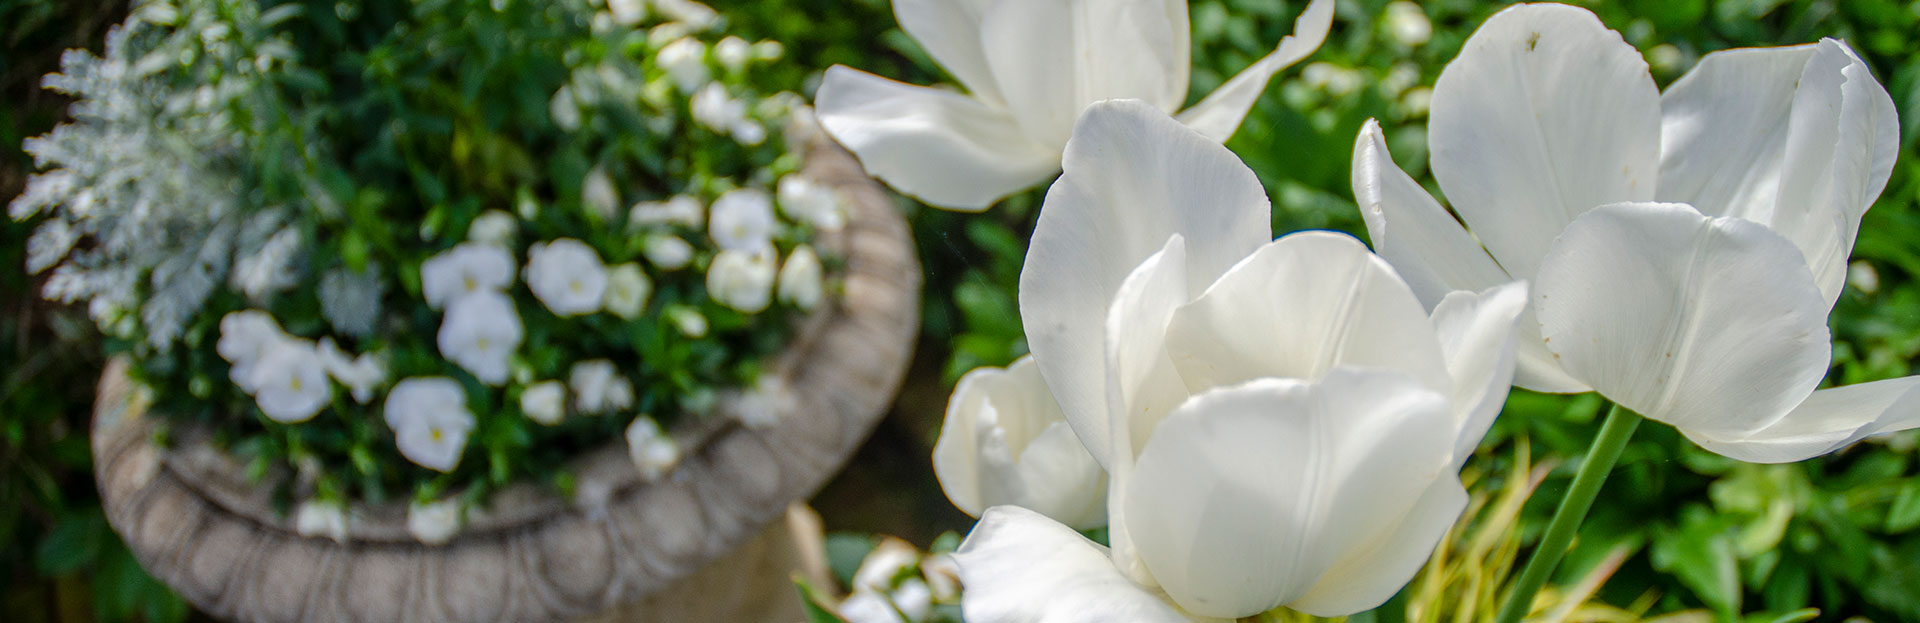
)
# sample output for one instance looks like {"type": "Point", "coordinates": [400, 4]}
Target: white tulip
{"type": "Point", "coordinates": [467, 268]}
{"type": "Point", "coordinates": [802, 279]}
{"type": "Point", "coordinates": [245, 337]}
{"type": "Point", "coordinates": [668, 252]}
{"type": "Point", "coordinates": [544, 402]}
{"type": "Point", "coordinates": [654, 453]}
{"type": "Point", "coordinates": [494, 227]}
{"type": "Point", "coordinates": [814, 204]}
{"type": "Point", "coordinates": [1685, 248]}
{"type": "Point", "coordinates": [434, 523]}
{"type": "Point", "coordinates": [1281, 422]}
{"type": "Point", "coordinates": [480, 333]}
{"type": "Point", "coordinates": [430, 421]}
{"type": "Point", "coordinates": [290, 382]}
{"type": "Point", "coordinates": [567, 276]}
{"type": "Point", "coordinates": [741, 220]}
{"type": "Point", "coordinates": [680, 210]}
{"type": "Point", "coordinates": [321, 519]}
{"type": "Point", "coordinates": [685, 61]}
{"type": "Point", "coordinates": [1005, 441]}
{"type": "Point", "coordinates": [599, 388]}
{"type": "Point", "coordinates": [742, 280]}
{"type": "Point", "coordinates": [1031, 68]}
{"type": "Point", "coordinates": [733, 53]}
{"type": "Point", "coordinates": [627, 290]}
{"type": "Point", "coordinates": [361, 374]}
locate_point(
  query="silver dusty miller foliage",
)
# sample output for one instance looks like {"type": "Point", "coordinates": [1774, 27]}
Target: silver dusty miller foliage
{"type": "Point", "coordinates": [142, 190]}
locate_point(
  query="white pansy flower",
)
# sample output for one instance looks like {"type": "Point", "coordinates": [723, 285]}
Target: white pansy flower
{"type": "Point", "coordinates": [467, 268]}
{"type": "Point", "coordinates": [689, 12]}
{"type": "Point", "coordinates": [1030, 68]}
{"type": "Point", "coordinates": [317, 519]}
{"type": "Point", "coordinates": [802, 279]}
{"type": "Point", "coordinates": [1685, 248]}
{"type": "Point", "coordinates": [627, 12]}
{"type": "Point", "coordinates": [742, 280]}
{"type": "Point", "coordinates": [599, 388]}
{"type": "Point", "coordinates": [688, 320]}
{"type": "Point", "coordinates": [434, 523]}
{"type": "Point", "coordinates": [866, 606]}
{"type": "Point", "coordinates": [654, 452]}
{"type": "Point", "coordinates": [914, 599]}
{"type": "Point", "coordinates": [430, 421]}
{"type": "Point", "coordinates": [627, 290]}
{"type": "Point", "coordinates": [361, 375]}
{"type": "Point", "coordinates": [544, 402]}
{"type": "Point", "coordinates": [685, 61]}
{"type": "Point", "coordinates": [749, 133]}
{"type": "Point", "coordinates": [1407, 23]}
{"type": "Point", "coordinates": [1187, 350]}
{"type": "Point", "coordinates": [741, 220]}
{"type": "Point", "coordinates": [714, 109]}
{"type": "Point", "coordinates": [494, 227]}
{"type": "Point", "coordinates": [564, 110]}
{"type": "Point", "coordinates": [245, 337]}
{"type": "Point", "coordinates": [682, 210]}
{"type": "Point", "coordinates": [1004, 441]}
{"type": "Point", "coordinates": [668, 252]}
{"type": "Point", "coordinates": [290, 382]}
{"type": "Point", "coordinates": [818, 205]}
{"type": "Point", "coordinates": [733, 53]}
{"type": "Point", "coordinates": [567, 276]}
{"type": "Point", "coordinates": [599, 195]}
{"type": "Point", "coordinates": [480, 333]}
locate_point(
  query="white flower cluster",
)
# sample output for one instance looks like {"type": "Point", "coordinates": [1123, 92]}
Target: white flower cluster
{"type": "Point", "coordinates": [289, 376]}
{"type": "Point", "coordinates": [897, 584]}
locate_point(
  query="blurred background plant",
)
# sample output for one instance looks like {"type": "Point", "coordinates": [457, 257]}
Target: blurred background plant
{"type": "Point", "coordinates": [1679, 535]}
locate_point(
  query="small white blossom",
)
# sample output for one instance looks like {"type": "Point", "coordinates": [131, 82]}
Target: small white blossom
{"type": "Point", "coordinates": [434, 523]}
{"type": "Point", "coordinates": [653, 452]}
{"type": "Point", "coordinates": [627, 290]}
{"type": "Point", "coordinates": [494, 227]}
{"type": "Point", "coordinates": [685, 61]}
{"type": "Point", "coordinates": [567, 276]}
{"type": "Point", "coordinates": [742, 280]}
{"type": "Point", "coordinates": [749, 133]}
{"type": "Point", "coordinates": [599, 388]}
{"type": "Point", "coordinates": [887, 561]}
{"type": "Point", "coordinates": [679, 210]}
{"type": "Point", "coordinates": [270, 270]}
{"type": "Point", "coordinates": [480, 333]}
{"type": "Point", "coordinates": [865, 606]}
{"type": "Point", "coordinates": [599, 195]}
{"type": "Point", "coordinates": [769, 50]}
{"type": "Point", "coordinates": [714, 109]}
{"type": "Point", "coordinates": [290, 382]}
{"type": "Point", "coordinates": [801, 279]}
{"type": "Point", "coordinates": [430, 421]}
{"type": "Point", "coordinates": [361, 375]}
{"type": "Point", "coordinates": [818, 205]}
{"type": "Point", "coordinates": [688, 320]}
{"type": "Point", "coordinates": [741, 220]}
{"type": "Point", "coordinates": [689, 12]}
{"type": "Point", "coordinates": [1333, 79]}
{"type": "Point", "coordinates": [544, 402]}
{"type": "Point", "coordinates": [1407, 24]}
{"type": "Point", "coordinates": [467, 268]}
{"type": "Point", "coordinates": [1862, 276]}
{"type": "Point", "coordinates": [668, 252]}
{"type": "Point", "coordinates": [245, 337]}
{"type": "Point", "coordinates": [914, 599]}
{"type": "Point", "coordinates": [733, 53]}
{"type": "Point", "coordinates": [627, 12]}
{"type": "Point", "coordinates": [564, 109]}
{"type": "Point", "coordinates": [316, 519]}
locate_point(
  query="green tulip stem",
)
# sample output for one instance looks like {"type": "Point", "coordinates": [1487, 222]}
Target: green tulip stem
{"type": "Point", "coordinates": [1573, 509]}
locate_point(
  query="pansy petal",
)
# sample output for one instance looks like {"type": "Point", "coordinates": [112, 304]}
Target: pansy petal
{"type": "Point", "coordinates": [1053, 58]}
{"type": "Point", "coordinates": [947, 149]}
{"type": "Point", "coordinates": [949, 30]}
{"type": "Point", "coordinates": [1299, 307]}
{"type": "Point", "coordinates": [1430, 250]}
{"type": "Point", "coordinates": [1712, 325]}
{"type": "Point", "coordinates": [1477, 336]}
{"type": "Point", "coordinates": [1020, 567]}
{"type": "Point", "coordinates": [1828, 420]}
{"type": "Point", "coordinates": [1544, 115]}
{"type": "Point", "coordinates": [1369, 576]}
{"type": "Point", "coordinates": [1248, 495]}
{"type": "Point", "coordinates": [1134, 177]}
{"type": "Point", "coordinates": [1221, 112]}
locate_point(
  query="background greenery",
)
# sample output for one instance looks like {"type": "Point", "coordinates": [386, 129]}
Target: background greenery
{"type": "Point", "coordinates": [1682, 530]}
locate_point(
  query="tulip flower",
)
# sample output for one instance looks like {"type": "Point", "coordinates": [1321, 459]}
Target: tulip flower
{"type": "Point", "coordinates": [1281, 421]}
{"type": "Point", "coordinates": [1030, 67]}
{"type": "Point", "coordinates": [1685, 249]}
{"type": "Point", "coordinates": [1004, 441]}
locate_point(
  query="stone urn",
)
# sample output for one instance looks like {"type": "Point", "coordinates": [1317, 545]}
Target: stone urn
{"type": "Point", "coordinates": [706, 542]}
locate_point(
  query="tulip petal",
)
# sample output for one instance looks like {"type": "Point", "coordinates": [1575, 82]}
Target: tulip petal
{"type": "Point", "coordinates": [1535, 366]}
{"type": "Point", "coordinates": [947, 149]}
{"type": "Point", "coordinates": [1142, 385]}
{"type": "Point", "coordinates": [1712, 325]}
{"type": "Point", "coordinates": [1054, 58]}
{"type": "Point", "coordinates": [1134, 177]}
{"type": "Point", "coordinates": [949, 30]}
{"type": "Point", "coordinates": [1221, 112]}
{"type": "Point", "coordinates": [1430, 250]}
{"type": "Point", "coordinates": [1544, 115]}
{"type": "Point", "coordinates": [1829, 420]}
{"type": "Point", "coordinates": [1477, 336]}
{"type": "Point", "coordinates": [1298, 308]}
{"type": "Point", "coordinates": [1247, 496]}
{"type": "Point", "coordinates": [1799, 138]}
{"type": "Point", "coordinates": [1020, 567]}
{"type": "Point", "coordinates": [1371, 574]}
{"type": "Point", "coordinates": [1004, 442]}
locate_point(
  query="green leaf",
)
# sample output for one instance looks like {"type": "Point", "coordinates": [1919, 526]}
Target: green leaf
{"type": "Point", "coordinates": [74, 543]}
{"type": "Point", "coordinates": [815, 603]}
{"type": "Point", "coordinates": [1905, 513]}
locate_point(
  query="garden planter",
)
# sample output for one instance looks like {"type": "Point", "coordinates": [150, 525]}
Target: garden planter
{"type": "Point", "coordinates": [622, 549]}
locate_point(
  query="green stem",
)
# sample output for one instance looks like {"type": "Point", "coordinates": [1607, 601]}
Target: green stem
{"type": "Point", "coordinates": [1573, 509]}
